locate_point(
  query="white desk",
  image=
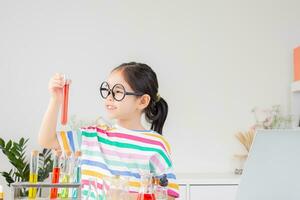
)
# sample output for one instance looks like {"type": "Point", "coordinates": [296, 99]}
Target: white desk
{"type": "Point", "coordinates": [208, 186]}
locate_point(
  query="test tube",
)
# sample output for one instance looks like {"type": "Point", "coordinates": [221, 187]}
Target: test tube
{"type": "Point", "coordinates": [66, 174]}
{"type": "Point", "coordinates": [1, 193]}
{"type": "Point", "coordinates": [64, 110]}
{"type": "Point", "coordinates": [62, 163]}
{"type": "Point", "coordinates": [55, 174]}
{"type": "Point", "coordinates": [76, 174]}
{"type": "Point", "coordinates": [33, 174]}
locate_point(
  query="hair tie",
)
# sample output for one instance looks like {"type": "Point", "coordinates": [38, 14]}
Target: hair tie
{"type": "Point", "coordinates": [157, 97]}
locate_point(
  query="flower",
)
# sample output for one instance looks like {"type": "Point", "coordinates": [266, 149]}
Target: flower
{"type": "Point", "coordinates": [270, 118]}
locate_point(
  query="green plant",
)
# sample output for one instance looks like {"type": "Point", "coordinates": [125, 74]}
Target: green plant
{"type": "Point", "coordinates": [46, 164]}
{"type": "Point", "coordinates": [271, 118]}
{"type": "Point", "coordinates": [16, 155]}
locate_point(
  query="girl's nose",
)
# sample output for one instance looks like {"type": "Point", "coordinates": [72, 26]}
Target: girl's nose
{"type": "Point", "coordinates": [110, 97]}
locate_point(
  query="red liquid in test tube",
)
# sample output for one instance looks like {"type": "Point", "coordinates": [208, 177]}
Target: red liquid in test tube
{"type": "Point", "coordinates": [55, 174]}
{"type": "Point", "coordinates": [146, 197]}
{"type": "Point", "coordinates": [55, 179]}
{"type": "Point", "coordinates": [64, 111]}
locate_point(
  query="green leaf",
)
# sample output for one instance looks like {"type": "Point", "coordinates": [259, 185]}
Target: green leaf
{"type": "Point", "coordinates": [25, 172]}
{"type": "Point", "coordinates": [12, 157]}
{"type": "Point", "coordinates": [2, 143]}
{"type": "Point", "coordinates": [18, 174]}
{"type": "Point", "coordinates": [24, 143]}
{"type": "Point", "coordinates": [8, 177]}
{"type": "Point", "coordinates": [21, 142]}
{"type": "Point", "coordinates": [8, 145]}
{"type": "Point", "coordinates": [17, 147]}
{"type": "Point", "coordinates": [15, 151]}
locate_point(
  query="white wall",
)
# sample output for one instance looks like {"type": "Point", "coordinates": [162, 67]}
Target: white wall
{"type": "Point", "coordinates": [215, 61]}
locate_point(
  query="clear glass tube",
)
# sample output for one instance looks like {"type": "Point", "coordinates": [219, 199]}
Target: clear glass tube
{"type": "Point", "coordinates": [76, 173]}
{"type": "Point", "coordinates": [146, 190]}
{"type": "Point", "coordinates": [65, 104]}
{"type": "Point", "coordinates": [33, 174]}
{"type": "Point", "coordinates": [55, 174]}
{"type": "Point", "coordinates": [66, 174]}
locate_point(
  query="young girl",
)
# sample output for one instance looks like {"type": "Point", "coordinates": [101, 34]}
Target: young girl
{"type": "Point", "coordinates": [127, 148]}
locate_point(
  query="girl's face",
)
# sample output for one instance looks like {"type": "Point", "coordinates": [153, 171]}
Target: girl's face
{"type": "Point", "coordinates": [126, 108]}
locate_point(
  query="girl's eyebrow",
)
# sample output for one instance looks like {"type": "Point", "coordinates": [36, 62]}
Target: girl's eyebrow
{"type": "Point", "coordinates": [119, 86]}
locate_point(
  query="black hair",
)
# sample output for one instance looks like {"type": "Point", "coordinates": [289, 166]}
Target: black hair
{"type": "Point", "coordinates": [142, 79]}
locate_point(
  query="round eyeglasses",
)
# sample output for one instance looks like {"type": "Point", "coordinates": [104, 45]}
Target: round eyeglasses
{"type": "Point", "coordinates": [118, 91]}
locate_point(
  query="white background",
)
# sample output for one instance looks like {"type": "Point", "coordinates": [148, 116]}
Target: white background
{"type": "Point", "coordinates": [215, 61]}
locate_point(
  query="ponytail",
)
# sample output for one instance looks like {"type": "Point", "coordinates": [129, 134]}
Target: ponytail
{"type": "Point", "coordinates": [156, 113]}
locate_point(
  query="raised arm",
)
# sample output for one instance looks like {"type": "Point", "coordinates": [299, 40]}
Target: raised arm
{"type": "Point", "coordinates": [47, 133]}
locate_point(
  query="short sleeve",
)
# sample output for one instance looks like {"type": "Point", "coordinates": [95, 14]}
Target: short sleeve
{"type": "Point", "coordinates": [173, 186]}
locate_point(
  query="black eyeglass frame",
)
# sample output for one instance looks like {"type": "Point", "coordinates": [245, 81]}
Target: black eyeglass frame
{"type": "Point", "coordinates": [110, 91]}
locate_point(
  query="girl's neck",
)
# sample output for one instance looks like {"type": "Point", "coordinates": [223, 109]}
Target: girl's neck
{"type": "Point", "coordinates": [130, 124]}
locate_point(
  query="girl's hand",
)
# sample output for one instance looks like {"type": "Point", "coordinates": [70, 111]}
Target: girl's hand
{"type": "Point", "coordinates": [55, 87]}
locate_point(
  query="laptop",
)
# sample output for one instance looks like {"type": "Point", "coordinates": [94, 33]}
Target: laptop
{"type": "Point", "coordinates": [272, 170]}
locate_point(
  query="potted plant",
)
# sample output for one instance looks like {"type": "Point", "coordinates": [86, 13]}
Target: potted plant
{"type": "Point", "coordinates": [15, 151]}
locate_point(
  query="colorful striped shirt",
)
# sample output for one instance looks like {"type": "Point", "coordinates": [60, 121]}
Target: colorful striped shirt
{"type": "Point", "coordinates": [120, 151]}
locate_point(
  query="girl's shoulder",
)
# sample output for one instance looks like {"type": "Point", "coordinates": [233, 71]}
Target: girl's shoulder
{"type": "Point", "coordinates": [160, 138]}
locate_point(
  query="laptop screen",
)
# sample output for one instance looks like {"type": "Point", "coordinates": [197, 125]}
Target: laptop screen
{"type": "Point", "coordinates": [272, 170]}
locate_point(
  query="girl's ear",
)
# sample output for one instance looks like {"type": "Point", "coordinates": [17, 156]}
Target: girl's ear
{"type": "Point", "coordinates": [144, 101]}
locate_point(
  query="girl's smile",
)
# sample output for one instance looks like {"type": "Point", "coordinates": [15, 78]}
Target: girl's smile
{"type": "Point", "coordinates": [110, 107]}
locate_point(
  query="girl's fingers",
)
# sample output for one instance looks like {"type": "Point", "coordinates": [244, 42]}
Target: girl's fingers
{"type": "Point", "coordinates": [60, 78]}
{"type": "Point", "coordinates": [56, 86]}
{"type": "Point", "coordinates": [57, 83]}
{"type": "Point", "coordinates": [54, 81]}
{"type": "Point", "coordinates": [61, 82]}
